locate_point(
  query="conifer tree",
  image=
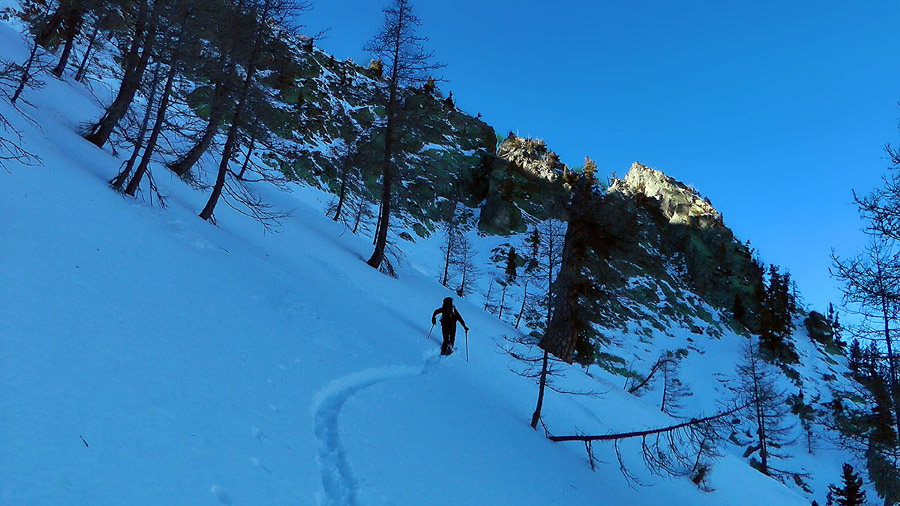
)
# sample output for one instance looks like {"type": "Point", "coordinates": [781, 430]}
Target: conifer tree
{"type": "Point", "coordinates": [72, 18]}
{"type": "Point", "coordinates": [454, 227]}
{"type": "Point", "coordinates": [118, 182]}
{"type": "Point", "coordinates": [777, 310]}
{"type": "Point", "coordinates": [407, 64]}
{"type": "Point", "coordinates": [570, 322]}
{"type": "Point", "coordinates": [347, 154]}
{"type": "Point", "coordinates": [270, 23]}
{"type": "Point", "coordinates": [449, 248]}
{"type": "Point", "coordinates": [511, 265]}
{"type": "Point", "coordinates": [532, 247]}
{"type": "Point", "coordinates": [228, 31]}
{"type": "Point", "coordinates": [674, 390]}
{"type": "Point", "coordinates": [143, 29]}
{"type": "Point", "coordinates": [854, 357]}
{"type": "Point", "coordinates": [590, 168]}
{"type": "Point", "coordinates": [551, 238]}
{"type": "Point", "coordinates": [738, 311]}
{"type": "Point", "coordinates": [872, 282]}
{"type": "Point", "coordinates": [767, 408]}
{"type": "Point", "coordinates": [851, 492]}
{"type": "Point", "coordinates": [464, 260]}
{"type": "Point", "coordinates": [503, 256]}
{"type": "Point", "coordinates": [883, 464]}
{"type": "Point", "coordinates": [25, 75]}
{"type": "Point", "coordinates": [178, 38]}
{"type": "Point", "coordinates": [100, 17]}
{"type": "Point", "coordinates": [567, 322]}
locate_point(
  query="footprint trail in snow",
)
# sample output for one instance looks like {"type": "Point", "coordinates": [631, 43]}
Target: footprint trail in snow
{"type": "Point", "coordinates": [338, 485]}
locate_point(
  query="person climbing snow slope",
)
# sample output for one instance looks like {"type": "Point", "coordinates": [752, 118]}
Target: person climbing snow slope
{"type": "Point", "coordinates": [449, 317]}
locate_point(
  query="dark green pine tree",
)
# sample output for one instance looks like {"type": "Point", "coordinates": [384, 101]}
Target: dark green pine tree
{"type": "Point", "coordinates": [570, 332]}
{"type": "Point", "coordinates": [851, 493]}
{"type": "Point", "coordinates": [738, 311]}
{"type": "Point", "coordinates": [884, 473]}
{"type": "Point", "coordinates": [532, 248]}
{"type": "Point", "coordinates": [533, 242]}
{"type": "Point", "coordinates": [855, 356]}
{"type": "Point", "coordinates": [870, 360]}
{"type": "Point", "coordinates": [776, 313]}
{"type": "Point", "coordinates": [769, 339]}
{"type": "Point", "coordinates": [881, 420]}
{"type": "Point", "coordinates": [571, 321]}
{"type": "Point", "coordinates": [511, 265]}
{"type": "Point", "coordinates": [882, 453]}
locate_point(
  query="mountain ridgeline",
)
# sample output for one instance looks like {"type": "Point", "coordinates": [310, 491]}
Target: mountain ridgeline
{"type": "Point", "coordinates": [447, 158]}
{"type": "Point", "coordinates": [632, 276]}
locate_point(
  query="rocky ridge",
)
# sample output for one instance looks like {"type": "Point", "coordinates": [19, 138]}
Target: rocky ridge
{"type": "Point", "coordinates": [678, 202]}
{"type": "Point", "coordinates": [531, 156]}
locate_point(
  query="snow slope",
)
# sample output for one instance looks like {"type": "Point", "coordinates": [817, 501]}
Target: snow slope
{"type": "Point", "coordinates": [147, 357]}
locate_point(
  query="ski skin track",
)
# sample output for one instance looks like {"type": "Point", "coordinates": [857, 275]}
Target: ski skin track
{"type": "Point", "coordinates": [339, 487]}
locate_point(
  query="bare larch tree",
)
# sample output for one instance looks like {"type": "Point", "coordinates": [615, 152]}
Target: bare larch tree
{"type": "Point", "coordinates": [402, 52]}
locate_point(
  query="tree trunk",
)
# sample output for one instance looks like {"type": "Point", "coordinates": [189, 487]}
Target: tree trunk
{"type": "Point", "coordinates": [385, 217]}
{"type": "Point", "coordinates": [644, 433]}
{"type": "Point", "coordinates": [760, 418]}
{"type": "Point", "coordinates": [119, 181]}
{"type": "Point", "coordinates": [359, 213]}
{"type": "Point", "coordinates": [246, 163]}
{"type": "Point", "coordinates": [72, 25]}
{"type": "Point", "coordinates": [502, 299]}
{"type": "Point", "coordinates": [135, 64]}
{"type": "Point", "coordinates": [82, 68]}
{"type": "Point", "coordinates": [665, 392]}
{"type": "Point", "coordinates": [522, 310]}
{"type": "Point", "coordinates": [157, 128]}
{"type": "Point", "coordinates": [341, 195]}
{"type": "Point", "coordinates": [465, 275]}
{"type": "Point", "coordinates": [892, 370]}
{"type": "Point", "coordinates": [377, 224]}
{"type": "Point", "coordinates": [536, 417]}
{"type": "Point", "coordinates": [450, 245]}
{"type": "Point", "coordinates": [51, 27]}
{"type": "Point", "coordinates": [566, 325]}
{"type": "Point", "coordinates": [184, 164]}
{"type": "Point", "coordinates": [763, 450]}
{"type": "Point", "coordinates": [26, 73]}
{"type": "Point", "coordinates": [487, 298]}
{"type": "Point", "coordinates": [207, 211]}
{"type": "Point", "coordinates": [550, 258]}
{"type": "Point", "coordinates": [231, 140]}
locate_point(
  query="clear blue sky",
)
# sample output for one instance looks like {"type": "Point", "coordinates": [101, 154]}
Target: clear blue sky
{"type": "Point", "coordinates": [774, 110]}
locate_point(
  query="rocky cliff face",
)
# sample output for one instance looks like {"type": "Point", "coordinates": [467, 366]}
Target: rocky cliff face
{"type": "Point", "coordinates": [666, 256]}
{"type": "Point", "coordinates": [677, 202]}
{"type": "Point", "coordinates": [521, 184]}
{"type": "Point", "coordinates": [447, 158]}
{"type": "Point", "coordinates": [531, 156]}
{"type": "Point", "coordinates": [331, 117]}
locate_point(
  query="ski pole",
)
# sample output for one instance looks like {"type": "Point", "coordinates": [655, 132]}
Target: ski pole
{"type": "Point", "coordinates": [467, 345]}
{"type": "Point", "coordinates": [429, 332]}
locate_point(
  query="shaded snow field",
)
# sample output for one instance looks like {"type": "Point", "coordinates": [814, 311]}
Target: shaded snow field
{"type": "Point", "coordinates": [149, 358]}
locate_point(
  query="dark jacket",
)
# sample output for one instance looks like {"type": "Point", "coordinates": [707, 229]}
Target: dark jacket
{"type": "Point", "coordinates": [449, 317]}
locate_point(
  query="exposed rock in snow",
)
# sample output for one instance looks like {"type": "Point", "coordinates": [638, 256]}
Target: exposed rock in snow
{"type": "Point", "coordinates": [677, 202]}
{"type": "Point", "coordinates": [531, 156]}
